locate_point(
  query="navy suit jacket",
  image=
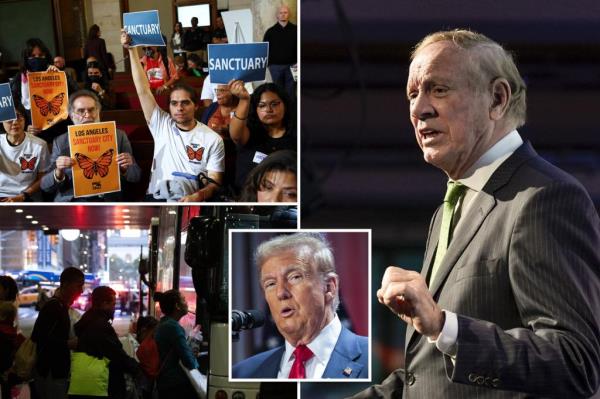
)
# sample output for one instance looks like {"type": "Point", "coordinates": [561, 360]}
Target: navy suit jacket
{"type": "Point", "coordinates": [351, 353]}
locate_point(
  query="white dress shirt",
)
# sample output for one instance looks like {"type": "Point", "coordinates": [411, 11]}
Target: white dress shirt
{"type": "Point", "coordinates": [321, 347]}
{"type": "Point", "coordinates": [475, 178]}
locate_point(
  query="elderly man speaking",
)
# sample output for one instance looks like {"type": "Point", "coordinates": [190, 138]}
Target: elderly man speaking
{"type": "Point", "coordinates": [297, 275]}
{"type": "Point", "coordinates": [507, 304]}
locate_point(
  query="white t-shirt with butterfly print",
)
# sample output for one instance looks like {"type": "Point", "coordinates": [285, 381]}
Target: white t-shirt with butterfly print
{"type": "Point", "coordinates": [175, 150]}
{"type": "Point", "coordinates": [21, 164]}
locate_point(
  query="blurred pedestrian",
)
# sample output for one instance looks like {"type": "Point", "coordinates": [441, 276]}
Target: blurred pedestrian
{"type": "Point", "coordinates": [97, 337]}
{"type": "Point", "coordinates": [51, 334]}
{"type": "Point", "coordinates": [173, 348]}
{"type": "Point", "coordinates": [147, 354]}
{"type": "Point", "coordinates": [8, 289]}
{"type": "Point", "coordinates": [10, 340]}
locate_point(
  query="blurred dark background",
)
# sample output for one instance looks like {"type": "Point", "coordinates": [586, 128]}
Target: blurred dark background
{"type": "Point", "coordinates": [362, 167]}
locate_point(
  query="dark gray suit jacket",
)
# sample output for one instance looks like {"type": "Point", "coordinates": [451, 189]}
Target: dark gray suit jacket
{"type": "Point", "coordinates": [63, 191]}
{"type": "Point", "coordinates": [523, 274]}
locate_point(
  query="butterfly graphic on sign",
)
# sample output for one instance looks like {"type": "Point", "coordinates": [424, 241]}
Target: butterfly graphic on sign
{"type": "Point", "coordinates": [47, 107]}
{"type": "Point", "coordinates": [97, 167]}
{"type": "Point", "coordinates": [194, 155]}
{"type": "Point", "coordinates": [27, 165]}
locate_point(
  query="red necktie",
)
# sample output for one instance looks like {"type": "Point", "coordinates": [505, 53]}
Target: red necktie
{"type": "Point", "coordinates": [301, 354]}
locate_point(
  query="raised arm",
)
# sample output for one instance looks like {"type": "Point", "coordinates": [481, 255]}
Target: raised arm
{"type": "Point", "coordinates": [238, 128]}
{"type": "Point", "coordinates": [140, 80]}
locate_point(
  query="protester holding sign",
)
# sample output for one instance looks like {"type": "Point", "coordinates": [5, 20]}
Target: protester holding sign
{"type": "Point", "coordinates": [36, 58]}
{"type": "Point", "coordinates": [84, 108]}
{"type": "Point", "coordinates": [183, 147]}
{"type": "Point", "coordinates": [48, 94]}
{"type": "Point", "coordinates": [23, 160]}
{"type": "Point", "coordinates": [261, 124]}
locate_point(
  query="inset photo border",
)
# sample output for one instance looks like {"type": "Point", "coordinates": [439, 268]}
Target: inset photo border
{"type": "Point", "coordinates": [283, 288]}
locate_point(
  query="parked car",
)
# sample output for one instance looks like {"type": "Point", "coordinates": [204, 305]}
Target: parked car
{"type": "Point", "coordinates": [29, 296]}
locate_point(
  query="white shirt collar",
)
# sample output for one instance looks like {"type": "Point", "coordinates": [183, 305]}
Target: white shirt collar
{"type": "Point", "coordinates": [480, 172]}
{"type": "Point", "coordinates": [322, 348]}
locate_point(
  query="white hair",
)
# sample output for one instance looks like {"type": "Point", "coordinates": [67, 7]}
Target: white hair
{"type": "Point", "coordinates": [311, 247]}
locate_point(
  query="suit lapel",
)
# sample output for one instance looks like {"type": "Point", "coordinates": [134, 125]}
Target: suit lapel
{"type": "Point", "coordinates": [462, 237]}
{"type": "Point", "coordinates": [485, 202]}
{"type": "Point", "coordinates": [432, 241]}
{"type": "Point", "coordinates": [270, 366]}
{"type": "Point", "coordinates": [341, 363]}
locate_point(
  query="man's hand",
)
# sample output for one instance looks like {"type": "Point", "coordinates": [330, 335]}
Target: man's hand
{"type": "Point", "coordinates": [406, 294]}
{"type": "Point", "coordinates": [124, 160]}
{"type": "Point", "coordinates": [125, 38]}
{"type": "Point", "coordinates": [96, 87]}
{"type": "Point", "coordinates": [62, 163]}
{"type": "Point", "coordinates": [16, 198]}
{"type": "Point", "coordinates": [198, 196]}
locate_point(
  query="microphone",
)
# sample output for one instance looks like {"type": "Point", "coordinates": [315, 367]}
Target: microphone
{"type": "Point", "coordinates": [246, 319]}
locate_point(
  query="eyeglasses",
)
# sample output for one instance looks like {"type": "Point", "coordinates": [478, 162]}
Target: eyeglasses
{"type": "Point", "coordinates": [220, 91]}
{"type": "Point", "coordinates": [83, 111]}
{"type": "Point", "coordinates": [272, 105]}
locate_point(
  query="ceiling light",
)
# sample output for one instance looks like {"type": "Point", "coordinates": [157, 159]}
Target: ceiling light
{"type": "Point", "coordinates": [19, 210]}
{"type": "Point", "coordinates": [126, 217]}
{"type": "Point", "coordinates": [34, 222]}
{"type": "Point", "coordinates": [28, 217]}
{"type": "Point", "coordinates": [126, 210]}
{"type": "Point", "coordinates": [70, 234]}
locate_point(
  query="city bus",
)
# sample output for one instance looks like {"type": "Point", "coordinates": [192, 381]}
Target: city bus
{"type": "Point", "coordinates": [188, 250]}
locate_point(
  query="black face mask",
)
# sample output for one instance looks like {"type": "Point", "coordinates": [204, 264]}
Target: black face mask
{"type": "Point", "coordinates": [149, 53]}
{"type": "Point", "coordinates": [95, 79]}
{"type": "Point", "coordinates": [37, 64]}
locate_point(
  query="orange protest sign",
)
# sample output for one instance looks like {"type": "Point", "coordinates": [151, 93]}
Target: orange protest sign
{"type": "Point", "coordinates": [94, 152]}
{"type": "Point", "coordinates": [49, 98]}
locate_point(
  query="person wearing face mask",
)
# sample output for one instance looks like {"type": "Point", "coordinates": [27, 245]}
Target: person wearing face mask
{"type": "Point", "coordinates": [85, 107]}
{"type": "Point", "coordinates": [159, 68]}
{"type": "Point", "coordinates": [36, 57]}
{"type": "Point", "coordinates": [96, 82]}
{"type": "Point", "coordinates": [97, 337]}
{"type": "Point", "coordinates": [24, 159]}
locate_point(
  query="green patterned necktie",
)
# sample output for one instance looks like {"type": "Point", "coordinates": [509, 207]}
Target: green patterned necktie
{"type": "Point", "coordinates": [453, 194]}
